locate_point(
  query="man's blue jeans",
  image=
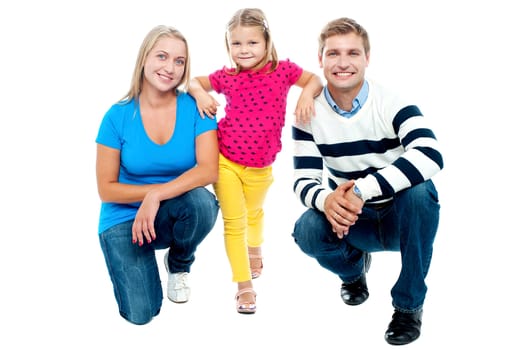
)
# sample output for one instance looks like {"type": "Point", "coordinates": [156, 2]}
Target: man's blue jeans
{"type": "Point", "coordinates": [181, 225]}
{"type": "Point", "coordinates": [407, 224]}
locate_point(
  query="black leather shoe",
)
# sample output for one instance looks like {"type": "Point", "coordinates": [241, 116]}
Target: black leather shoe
{"type": "Point", "coordinates": [404, 328]}
{"type": "Point", "coordinates": [357, 292]}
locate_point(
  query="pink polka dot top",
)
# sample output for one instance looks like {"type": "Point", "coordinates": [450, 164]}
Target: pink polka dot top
{"type": "Point", "coordinates": [250, 132]}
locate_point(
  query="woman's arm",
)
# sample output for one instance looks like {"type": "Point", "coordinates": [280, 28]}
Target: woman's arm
{"type": "Point", "coordinates": [203, 174]}
{"type": "Point", "coordinates": [109, 187]}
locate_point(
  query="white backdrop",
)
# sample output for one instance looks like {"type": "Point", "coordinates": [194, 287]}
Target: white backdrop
{"type": "Point", "coordinates": [64, 63]}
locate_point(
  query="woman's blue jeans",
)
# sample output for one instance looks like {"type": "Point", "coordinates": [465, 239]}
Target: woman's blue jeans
{"type": "Point", "coordinates": [407, 224]}
{"type": "Point", "coordinates": [181, 225]}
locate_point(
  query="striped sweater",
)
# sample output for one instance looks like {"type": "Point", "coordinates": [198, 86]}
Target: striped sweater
{"type": "Point", "coordinates": [386, 147]}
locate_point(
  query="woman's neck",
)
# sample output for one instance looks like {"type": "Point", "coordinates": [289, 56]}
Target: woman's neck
{"type": "Point", "coordinates": [157, 99]}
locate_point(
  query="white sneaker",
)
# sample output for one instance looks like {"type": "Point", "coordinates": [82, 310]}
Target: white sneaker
{"type": "Point", "coordinates": [178, 288]}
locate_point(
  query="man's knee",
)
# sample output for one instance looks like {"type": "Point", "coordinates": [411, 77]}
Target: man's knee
{"type": "Point", "coordinates": [423, 194]}
{"type": "Point", "coordinates": [305, 237]}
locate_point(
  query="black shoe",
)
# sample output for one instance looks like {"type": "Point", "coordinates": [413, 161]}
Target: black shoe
{"type": "Point", "coordinates": [356, 292]}
{"type": "Point", "coordinates": [404, 328]}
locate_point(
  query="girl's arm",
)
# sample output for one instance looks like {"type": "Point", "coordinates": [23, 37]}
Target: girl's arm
{"type": "Point", "coordinates": [206, 104]}
{"type": "Point", "coordinates": [312, 87]}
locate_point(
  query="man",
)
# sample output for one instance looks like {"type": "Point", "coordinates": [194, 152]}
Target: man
{"type": "Point", "coordinates": [380, 155]}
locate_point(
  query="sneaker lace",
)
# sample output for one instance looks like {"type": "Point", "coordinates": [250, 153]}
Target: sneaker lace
{"type": "Point", "coordinates": [181, 280]}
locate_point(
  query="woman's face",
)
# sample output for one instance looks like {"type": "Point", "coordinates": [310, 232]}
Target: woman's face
{"type": "Point", "coordinates": [165, 64]}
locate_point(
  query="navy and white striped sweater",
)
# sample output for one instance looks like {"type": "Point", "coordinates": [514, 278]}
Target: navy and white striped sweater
{"type": "Point", "coordinates": [386, 147]}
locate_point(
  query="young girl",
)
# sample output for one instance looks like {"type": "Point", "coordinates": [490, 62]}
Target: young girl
{"type": "Point", "coordinates": [249, 136]}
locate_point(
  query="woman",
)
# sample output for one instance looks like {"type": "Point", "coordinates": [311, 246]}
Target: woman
{"type": "Point", "coordinates": [155, 155]}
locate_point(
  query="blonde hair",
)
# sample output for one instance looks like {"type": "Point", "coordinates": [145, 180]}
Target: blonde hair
{"type": "Point", "coordinates": [254, 17]}
{"type": "Point", "coordinates": [342, 26]}
{"type": "Point", "coordinates": [157, 33]}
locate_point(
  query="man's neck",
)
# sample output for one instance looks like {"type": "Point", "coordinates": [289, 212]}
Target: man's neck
{"type": "Point", "coordinates": [344, 97]}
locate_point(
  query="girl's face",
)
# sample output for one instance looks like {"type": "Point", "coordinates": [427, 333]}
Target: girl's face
{"type": "Point", "coordinates": [247, 46]}
{"type": "Point", "coordinates": [165, 64]}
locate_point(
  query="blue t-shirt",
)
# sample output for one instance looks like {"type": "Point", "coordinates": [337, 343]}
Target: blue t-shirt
{"type": "Point", "coordinates": [142, 160]}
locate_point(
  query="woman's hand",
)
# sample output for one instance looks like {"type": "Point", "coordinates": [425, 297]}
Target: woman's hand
{"type": "Point", "coordinates": [143, 226]}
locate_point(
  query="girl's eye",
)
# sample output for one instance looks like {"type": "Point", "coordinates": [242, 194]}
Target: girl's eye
{"type": "Point", "coordinates": [179, 62]}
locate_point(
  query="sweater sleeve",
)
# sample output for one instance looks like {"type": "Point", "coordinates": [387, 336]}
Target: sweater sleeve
{"type": "Point", "coordinates": [308, 169]}
{"type": "Point", "coordinates": [419, 161]}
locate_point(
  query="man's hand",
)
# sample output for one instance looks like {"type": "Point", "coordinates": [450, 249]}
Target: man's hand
{"type": "Point", "coordinates": [342, 208]}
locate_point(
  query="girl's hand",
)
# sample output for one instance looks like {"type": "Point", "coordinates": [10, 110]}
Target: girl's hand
{"type": "Point", "coordinates": [207, 105]}
{"type": "Point", "coordinates": [304, 110]}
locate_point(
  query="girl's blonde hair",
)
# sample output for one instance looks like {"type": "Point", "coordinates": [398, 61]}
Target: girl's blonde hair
{"type": "Point", "coordinates": [254, 17]}
{"type": "Point", "coordinates": [158, 32]}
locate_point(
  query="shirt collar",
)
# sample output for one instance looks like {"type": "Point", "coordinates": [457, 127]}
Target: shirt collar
{"type": "Point", "coordinates": [357, 103]}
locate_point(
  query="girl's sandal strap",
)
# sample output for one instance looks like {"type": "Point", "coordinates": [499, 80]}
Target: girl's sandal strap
{"type": "Point", "coordinates": [244, 291]}
{"type": "Point", "coordinates": [245, 307]}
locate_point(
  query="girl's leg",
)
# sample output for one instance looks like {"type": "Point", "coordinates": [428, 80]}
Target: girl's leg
{"type": "Point", "coordinates": [229, 191]}
{"type": "Point", "coordinates": [256, 183]}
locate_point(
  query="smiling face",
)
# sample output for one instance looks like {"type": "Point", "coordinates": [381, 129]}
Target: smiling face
{"type": "Point", "coordinates": [164, 66]}
{"type": "Point", "coordinates": [247, 46]}
{"type": "Point", "coordinates": [344, 62]}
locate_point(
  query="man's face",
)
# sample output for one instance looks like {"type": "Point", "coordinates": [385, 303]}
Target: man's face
{"type": "Point", "coordinates": [344, 61]}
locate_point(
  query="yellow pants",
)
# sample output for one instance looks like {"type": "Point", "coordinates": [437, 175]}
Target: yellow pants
{"type": "Point", "coordinates": [241, 192]}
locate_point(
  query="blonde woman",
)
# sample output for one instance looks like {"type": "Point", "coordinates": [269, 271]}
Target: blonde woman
{"type": "Point", "coordinates": [155, 155]}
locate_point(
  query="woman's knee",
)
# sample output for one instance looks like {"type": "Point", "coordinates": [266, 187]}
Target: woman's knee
{"type": "Point", "coordinates": [137, 319]}
{"type": "Point", "coordinates": [202, 200]}
{"type": "Point", "coordinates": [139, 295]}
{"type": "Point", "coordinates": [198, 204]}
